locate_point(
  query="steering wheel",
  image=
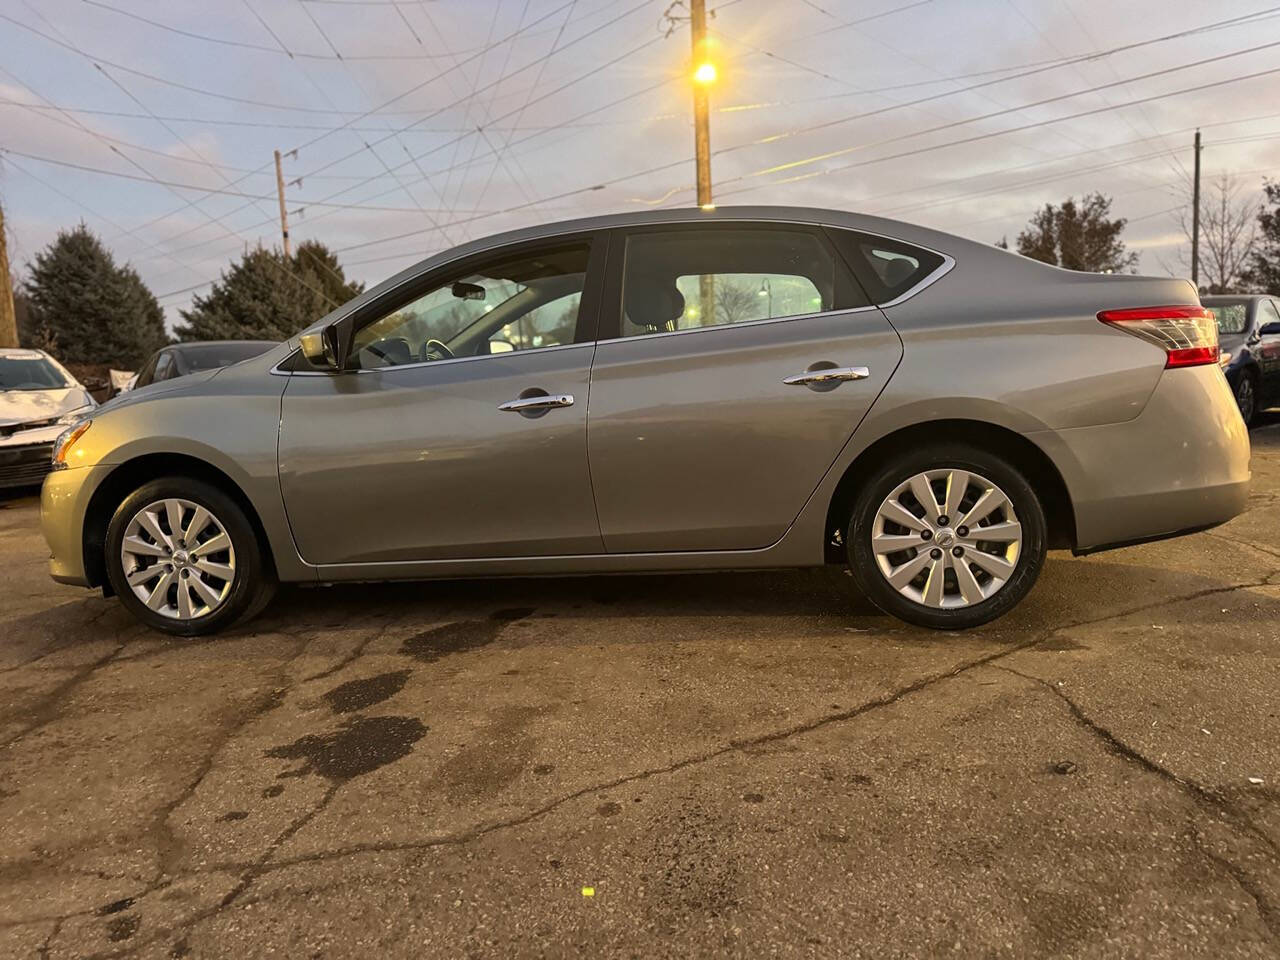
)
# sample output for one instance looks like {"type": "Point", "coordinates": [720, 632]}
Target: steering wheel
{"type": "Point", "coordinates": [437, 347]}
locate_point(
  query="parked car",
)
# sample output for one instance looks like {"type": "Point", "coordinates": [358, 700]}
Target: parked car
{"type": "Point", "coordinates": [181, 359]}
{"type": "Point", "coordinates": [1249, 332]}
{"type": "Point", "coordinates": [38, 398]}
{"type": "Point", "coordinates": [671, 390]}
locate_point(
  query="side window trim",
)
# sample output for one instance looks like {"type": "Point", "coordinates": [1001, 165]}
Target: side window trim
{"type": "Point", "coordinates": [611, 301]}
{"type": "Point", "coordinates": [589, 308]}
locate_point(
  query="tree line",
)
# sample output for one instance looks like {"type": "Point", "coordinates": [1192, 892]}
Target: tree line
{"type": "Point", "coordinates": [1239, 242]}
{"type": "Point", "coordinates": [82, 306]}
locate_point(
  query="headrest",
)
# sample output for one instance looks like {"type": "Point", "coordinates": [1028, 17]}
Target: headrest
{"type": "Point", "coordinates": [653, 302]}
{"type": "Point", "coordinates": [897, 273]}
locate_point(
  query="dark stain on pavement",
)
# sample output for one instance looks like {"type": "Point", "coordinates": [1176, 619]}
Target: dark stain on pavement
{"type": "Point", "coordinates": [273, 791]}
{"type": "Point", "coordinates": [609, 809]}
{"type": "Point", "coordinates": [366, 691]}
{"type": "Point", "coordinates": [122, 928]}
{"type": "Point", "coordinates": [231, 815]}
{"type": "Point", "coordinates": [462, 635]}
{"type": "Point", "coordinates": [753, 797]}
{"type": "Point", "coordinates": [499, 754]}
{"type": "Point", "coordinates": [508, 614]}
{"type": "Point", "coordinates": [362, 745]}
{"type": "Point", "coordinates": [115, 906]}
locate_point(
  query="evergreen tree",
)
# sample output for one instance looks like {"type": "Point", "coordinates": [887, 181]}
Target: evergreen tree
{"type": "Point", "coordinates": [1078, 237]}
{"type": "Point", "coordinates": [80, 302]}
{"type": "Point", "coordinates": [266, 296]}
{"type": "Point", "coordinates": [1263, 272]}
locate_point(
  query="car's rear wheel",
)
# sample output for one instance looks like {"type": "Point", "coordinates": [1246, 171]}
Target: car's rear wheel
{"type": "Point", "coordinates": [183, 558]}
{"type": "Point", "coordinates": [1247, 398]}
{"type": "Point", "coordinates": [949, 537]}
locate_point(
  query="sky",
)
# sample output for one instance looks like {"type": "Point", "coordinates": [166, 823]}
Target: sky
{"type": "Point", "coordinates": [408, 127]}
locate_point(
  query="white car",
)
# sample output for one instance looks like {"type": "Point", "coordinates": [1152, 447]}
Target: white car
{"type": "Point", "coordinates": [38, 398]}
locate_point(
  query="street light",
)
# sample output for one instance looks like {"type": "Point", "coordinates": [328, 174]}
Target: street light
{"type": "Point", "coordinates": [705, 74]}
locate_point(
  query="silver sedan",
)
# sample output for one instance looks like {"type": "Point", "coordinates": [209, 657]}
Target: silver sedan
{"type": "Point", "coordinates": [674, 390]}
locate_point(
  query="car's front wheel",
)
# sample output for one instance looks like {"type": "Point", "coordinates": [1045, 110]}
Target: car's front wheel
{"type": "Point", "coordinates": [183, 558]}
{"type": "Point", "coordinates": [948, 536]}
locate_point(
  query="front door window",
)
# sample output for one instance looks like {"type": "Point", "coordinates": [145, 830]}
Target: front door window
{"type": "Point", "coordinates": [526, 302]}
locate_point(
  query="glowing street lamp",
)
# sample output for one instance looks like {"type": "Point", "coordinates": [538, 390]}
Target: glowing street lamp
{"type": "Point", "coordinates": [705, 74]}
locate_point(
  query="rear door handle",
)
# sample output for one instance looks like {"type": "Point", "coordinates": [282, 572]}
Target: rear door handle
{"type": "Point", "coordinates": [543, 402]}
{"type": "Point", "coordinates": [827, 375]}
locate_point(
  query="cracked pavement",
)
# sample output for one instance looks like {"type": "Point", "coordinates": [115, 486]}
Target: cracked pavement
{"type": "Point", "coordinates": [736, 764]}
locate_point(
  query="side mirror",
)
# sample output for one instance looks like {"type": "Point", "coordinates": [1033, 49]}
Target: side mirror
{"type": "Point", "coordinates": [312, 345]}
{"type": "Point", "coordinates": [1271, 329]}
{"type": "Point", "coordinates": [501, 346]}
{"type": "Point", "coordinates": [330, 346]}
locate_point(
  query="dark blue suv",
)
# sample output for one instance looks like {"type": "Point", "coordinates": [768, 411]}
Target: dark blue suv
{"type": "Point", "coordinates": [1249, 332]}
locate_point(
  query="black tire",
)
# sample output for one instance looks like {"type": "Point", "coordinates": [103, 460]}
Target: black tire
{"type": "Point", "coordinates": [940, 456]}
{"type": "Point", "coordinates": [1246, 393]}
{"type": "Point", "coordinates": [252, 586]}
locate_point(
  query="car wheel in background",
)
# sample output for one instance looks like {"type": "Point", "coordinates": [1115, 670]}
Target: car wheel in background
{"type": "Point", "coordinates": [183, 558]}
{"type": "Point", "coordinates": [948, 537]}
{"type": "Point", "coordinates": [1247, 398]}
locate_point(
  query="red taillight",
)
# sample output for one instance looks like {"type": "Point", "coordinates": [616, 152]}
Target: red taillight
{"type": "Point", "coordinates": [1188, 335]}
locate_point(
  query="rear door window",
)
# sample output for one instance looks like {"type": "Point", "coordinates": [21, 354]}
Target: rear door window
{"type": "Point", "coordinates": [705, 276]}
{"type": "Point", "coordinates": [887, 269]}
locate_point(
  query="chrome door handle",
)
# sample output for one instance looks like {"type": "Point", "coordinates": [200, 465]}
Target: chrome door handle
{"type": "Point", "coordinates": [544, 402]}
{"type": "Point", "coordinates": [827, 375]}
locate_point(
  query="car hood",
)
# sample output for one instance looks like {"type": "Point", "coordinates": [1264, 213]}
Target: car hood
{"type": "Point", "coordinates": [191, 383]}
{"type": "Point", "coordinates": [36, 406]}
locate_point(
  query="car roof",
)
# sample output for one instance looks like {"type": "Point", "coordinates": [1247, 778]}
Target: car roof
{"type": "Point", "coordinates": [935, 240]}
{"type": "Point", "coordinates": [23, 353]}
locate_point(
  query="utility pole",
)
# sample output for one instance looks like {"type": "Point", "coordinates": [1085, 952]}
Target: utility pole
{"type": "Point", "coordinates": [8, 319]}
{"type": "Point", "coordinates": [284, 214]}
{"type": "Point", "coordinates": [704, 74]}
{"type": "Point", "coordinates": [1195, 221]}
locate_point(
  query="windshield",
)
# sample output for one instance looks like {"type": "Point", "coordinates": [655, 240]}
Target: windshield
{"type": "Point", "coordinates": [30, 373]}
{"type": "Point", "coordinates": [213, 355]}
{"type": "Point", "coordinates": [1231, 317]}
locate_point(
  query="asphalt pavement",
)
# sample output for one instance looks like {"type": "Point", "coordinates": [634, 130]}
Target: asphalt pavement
{"type": "Point", "coordinates": [739, 765]}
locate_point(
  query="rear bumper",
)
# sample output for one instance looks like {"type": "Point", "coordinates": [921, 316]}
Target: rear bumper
{"type": "Point", "coordinates": [1179, 466]}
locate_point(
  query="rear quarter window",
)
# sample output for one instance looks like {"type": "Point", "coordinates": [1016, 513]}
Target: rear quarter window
{"type": "Point", "coordinates": [886, 268]}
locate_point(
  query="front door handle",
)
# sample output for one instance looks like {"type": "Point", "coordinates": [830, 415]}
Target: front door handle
{"type": "Point", "coordinates": [827, 375]}
{"type": "Point", "coordinates": [542, 402]}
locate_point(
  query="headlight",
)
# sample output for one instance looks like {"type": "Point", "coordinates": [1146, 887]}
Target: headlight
{"type": "Point", "coordinates": [74, 416]}
{"type": "Point", "coordinates": [66, 440]}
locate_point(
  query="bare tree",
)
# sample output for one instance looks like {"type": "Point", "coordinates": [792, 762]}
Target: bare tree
{"type": "Point", "coordinates": [735, 302]}
{"type": "Point", "coordinates": [1228, 233]}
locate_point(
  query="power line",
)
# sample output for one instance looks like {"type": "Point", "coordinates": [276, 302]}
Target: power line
{"type": "Point", "coordinates": [915, 152]}
{"type": "Point", "coordinates": [220, 191]}
{"type": "Point", "coordinates": [997, 133]}
{"type": "Point", "coordinates": [264, 48]}
{"type": "Point", "coordinates": [516, 72]}
{"type": "Point", "coordinates": [774, 138]}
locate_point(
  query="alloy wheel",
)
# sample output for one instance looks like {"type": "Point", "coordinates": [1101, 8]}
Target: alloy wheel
{"type": "Point", "coordinates": [946, 538]}
{"type": "Point", "coordinates": [178, 559]}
